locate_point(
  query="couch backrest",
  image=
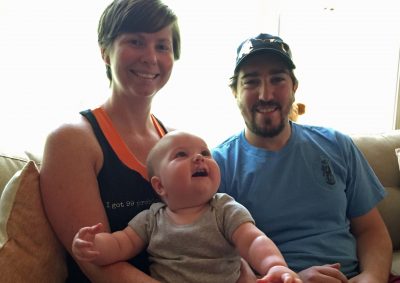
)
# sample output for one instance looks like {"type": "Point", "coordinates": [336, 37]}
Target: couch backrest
{"type": "Point", "coordinates": [11, 163]}
{"type": "Point", "coordinates": [379, 149]}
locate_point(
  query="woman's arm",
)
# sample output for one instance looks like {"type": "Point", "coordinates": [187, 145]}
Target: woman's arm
{"type": "Point", "coordinates": [68, 180]}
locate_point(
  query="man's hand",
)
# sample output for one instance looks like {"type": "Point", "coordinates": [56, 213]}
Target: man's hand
{"type": "Point", "coordinates": [364, 277]}
{"type": "Point", "coordinates": [329, 273]}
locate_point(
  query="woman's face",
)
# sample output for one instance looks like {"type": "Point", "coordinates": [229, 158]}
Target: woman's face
{"type": "Point", "coordinates": [141, 63]}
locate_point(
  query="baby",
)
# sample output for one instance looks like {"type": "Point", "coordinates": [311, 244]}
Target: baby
{"type": "Point", "coordinates": [195, 234]}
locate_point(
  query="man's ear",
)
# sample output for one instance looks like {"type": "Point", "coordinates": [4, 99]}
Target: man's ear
{"type": "Point", "coordinates": [105, 56]}
{"type": "Point", "coordinates": [295, 88]}
{"type": "Point", "coordinates": [157, 185]}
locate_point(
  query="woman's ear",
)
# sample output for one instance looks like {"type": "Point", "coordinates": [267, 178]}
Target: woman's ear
{"type": "Point", "coordinates": [157, 185]}
{"type": "Point", "coordinates": [105, 56]}
{"type": "Point", "coordinates": [234, 93]}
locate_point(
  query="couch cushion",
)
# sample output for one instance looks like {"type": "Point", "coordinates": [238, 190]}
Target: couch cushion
{"type": "Point", "coordinates": [396, 263]}
{"type": "Point", "coordinates": [29, 250]}
{"type": "Point", "coordinates": [397, 150]}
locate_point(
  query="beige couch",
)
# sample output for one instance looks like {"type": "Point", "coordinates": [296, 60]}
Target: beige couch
{"type": "Point", "coordinates": [44, 261]}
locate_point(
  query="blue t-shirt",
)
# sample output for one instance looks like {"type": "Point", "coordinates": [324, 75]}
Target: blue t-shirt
{"type": "Point", "coordinates": [303, 195]}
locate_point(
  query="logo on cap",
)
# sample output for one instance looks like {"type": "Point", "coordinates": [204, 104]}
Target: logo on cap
{"type": "Point", "coordinates": [266, 43]}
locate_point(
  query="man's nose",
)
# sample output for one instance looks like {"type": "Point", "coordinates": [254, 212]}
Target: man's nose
{"type": "Point", "coordinates": [266, 92]}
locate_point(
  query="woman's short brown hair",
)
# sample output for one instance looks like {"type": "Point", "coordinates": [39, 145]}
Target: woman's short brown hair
{"type": "Point", "coordinates": [130, 16]}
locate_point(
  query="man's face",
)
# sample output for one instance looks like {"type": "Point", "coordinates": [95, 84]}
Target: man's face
{"type": "Point", "coordinates": [265, 94]}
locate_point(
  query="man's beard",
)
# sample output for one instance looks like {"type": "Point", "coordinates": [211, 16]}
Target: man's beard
{"type": "Point", "coordinates": [266, 129]}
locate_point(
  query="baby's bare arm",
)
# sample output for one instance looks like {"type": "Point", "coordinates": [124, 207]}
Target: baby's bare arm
{"type": "Point", "coordinates": [91, 244]}
{"type": "Point", "coordinates": [262, 254]}
{"type": "Point", "coordinates": [281, 274]}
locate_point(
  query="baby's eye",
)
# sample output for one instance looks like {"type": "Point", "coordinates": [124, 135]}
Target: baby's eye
{"type": "Point", "coordinates": [206, 153]}
{"type": "Point", "coordinates": [180, 154]}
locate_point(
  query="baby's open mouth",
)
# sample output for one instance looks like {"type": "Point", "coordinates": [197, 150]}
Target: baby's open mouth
{"type": "Point", "coordinates": [200, 173]}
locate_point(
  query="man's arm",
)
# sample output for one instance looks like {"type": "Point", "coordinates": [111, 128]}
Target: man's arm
{"type": "Point", "coordinates": [374, 248]}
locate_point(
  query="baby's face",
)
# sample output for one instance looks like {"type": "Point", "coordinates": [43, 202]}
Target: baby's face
{"type": "Point", "coordinates": [188, 173]}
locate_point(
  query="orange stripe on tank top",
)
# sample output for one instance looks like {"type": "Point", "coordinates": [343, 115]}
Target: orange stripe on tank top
{"type": "Point", "coordinates": [118, 144]}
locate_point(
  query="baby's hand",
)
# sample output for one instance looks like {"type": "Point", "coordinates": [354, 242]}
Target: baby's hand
{"type": "Point", "coordinates": [83, 246]}
{"type": "Point", "coordinates": [280, 274]}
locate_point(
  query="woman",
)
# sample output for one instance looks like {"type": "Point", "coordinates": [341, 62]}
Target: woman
{"type": "Point", "coordinates": [92, 167]}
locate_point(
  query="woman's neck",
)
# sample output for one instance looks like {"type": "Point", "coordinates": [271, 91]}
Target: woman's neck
{"type": "Point", "coordinates": [128, 116]}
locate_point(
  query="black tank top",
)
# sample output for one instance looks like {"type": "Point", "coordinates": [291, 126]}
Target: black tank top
{"type": "Point", "coordinates": [124, 188]}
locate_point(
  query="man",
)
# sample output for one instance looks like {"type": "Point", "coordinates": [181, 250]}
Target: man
{"type": "Point", "coordinates": [308, 188]}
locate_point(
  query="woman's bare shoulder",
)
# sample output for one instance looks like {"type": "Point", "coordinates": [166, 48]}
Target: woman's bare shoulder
{"type": "Point", "coordinates": [73, 139]}
{"type": "Point", "coordinates": [77, 125]}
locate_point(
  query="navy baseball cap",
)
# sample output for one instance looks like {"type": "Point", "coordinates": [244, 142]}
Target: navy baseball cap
{"type": "Point", "coordinates": [264, 43]}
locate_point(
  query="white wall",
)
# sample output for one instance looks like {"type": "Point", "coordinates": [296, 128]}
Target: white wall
{"type": "Point", "coordinates": [50, 57]}
{"type": "Point", "coordinates": [347, 58]}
